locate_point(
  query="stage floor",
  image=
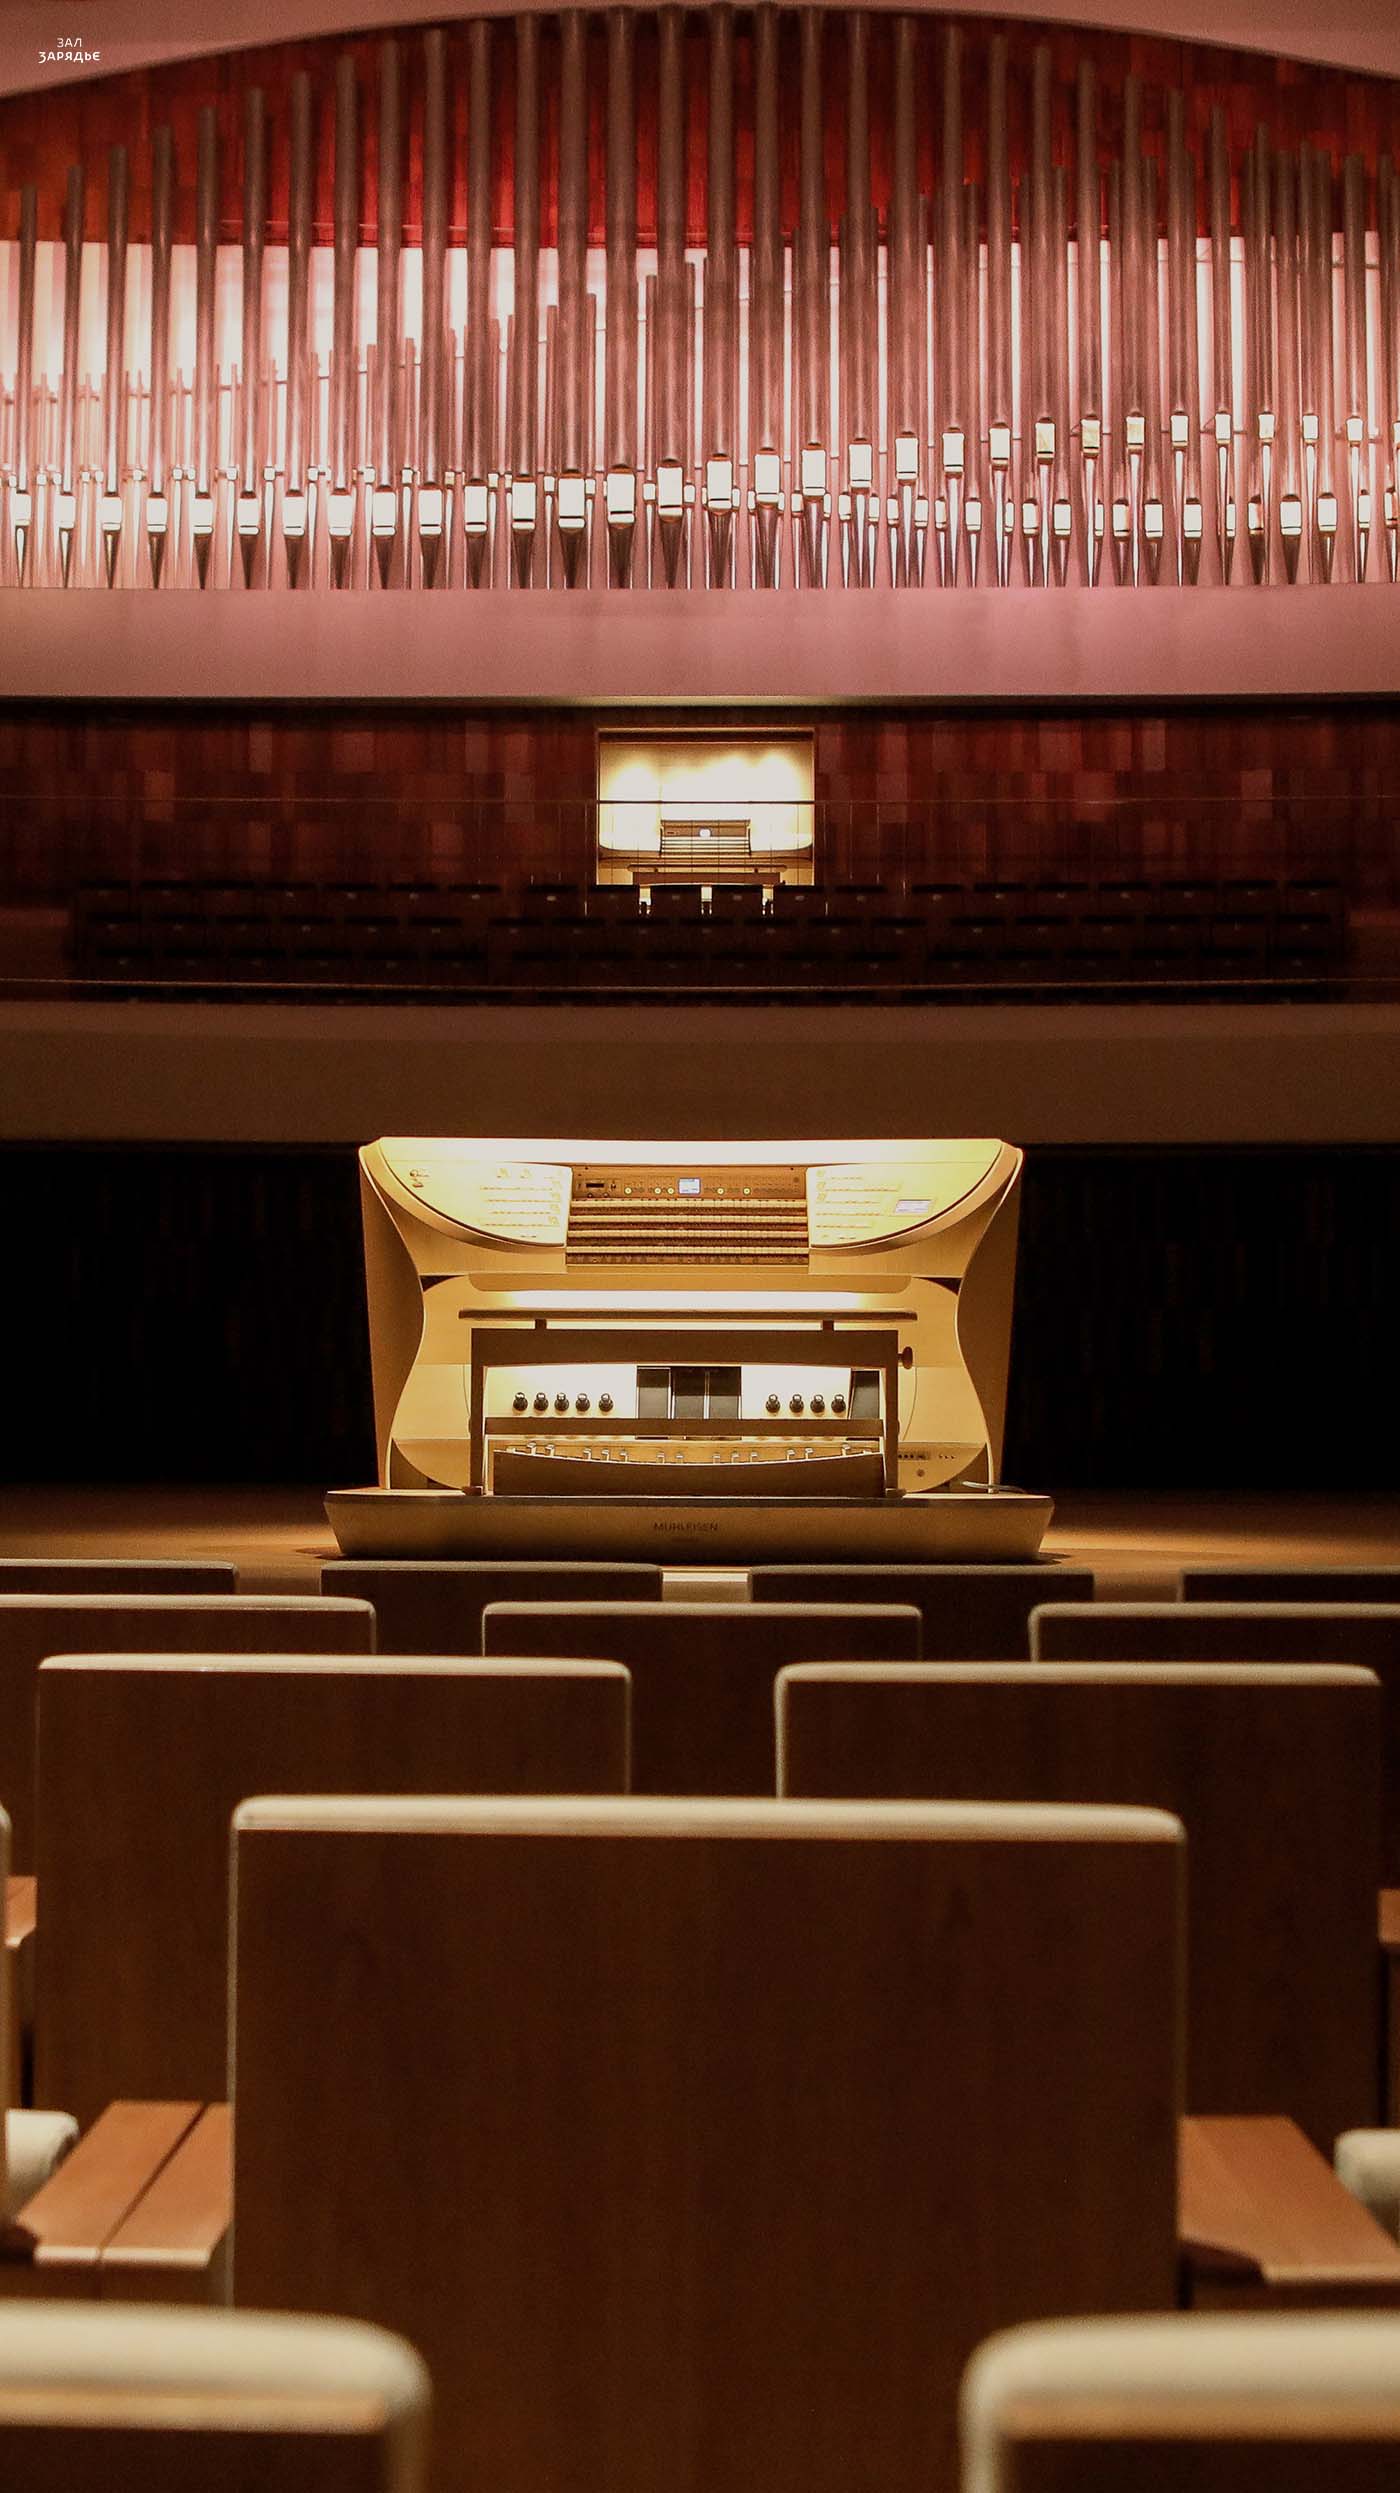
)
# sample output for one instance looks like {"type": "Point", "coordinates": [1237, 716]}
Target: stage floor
{"type": "Point", "coordinates": [278, 1537]}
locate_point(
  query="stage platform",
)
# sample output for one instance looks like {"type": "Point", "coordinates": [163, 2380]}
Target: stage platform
{"type": "Point", "coordinates": [278, 1537]}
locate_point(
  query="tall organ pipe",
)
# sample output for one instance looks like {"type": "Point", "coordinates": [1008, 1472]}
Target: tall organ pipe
{"type": "Point", "coordinates": [1041, 286]}
{"type": "Point", "coordinates": [1134, 273]}
{"type": "Point", "coordinates": [431, 373]}
{"type": "Point", "coordinates": [1000, 413]}
{"type": "Point", "coordinates": [524, 362]}
{"type": "Point", "coordinates": [1286, 364]}
{"type": "Point", "coordinates": [813, 247]}
{"type": "Point", "coordinates": [1089, 232]}
{"type": "Point", "coordinates": [1181, 259]}
{"type": "Point", "coordinates": [117, 194]}
{"type": "Point", "coordinates": [480, 446]}
{"type": "Point", "coordinates": [766, 274]}
{"type": "Point", "coordinates": [206, 244]}
{"type": "Point", "coordinates": [390, 233]}
{"type": "Point", "coordinates": [670, 432]}
{"type": "Point", "coordinates": [254, 234]}
{"type": "Point", "coordinates": [906, 290]}
{"type": "Point", "coordinates": [162, 229]}
{"type": "Point", "coordinates": [721, 262]}
{"type": "Point", "coordinates": [24, 364]}
{"type": "Point", "coordinates": [1221, 325]}
{"type": "Point", "coordinates": [298, 280]}
{"type": "Point", "coordinates": [572, 436]}
{"type": "Point", "coordinates": [620, 349]}
{"type": "Point", "coordinates": [346, 235]}
{"type": "Point", "coordinates": [858, 252]}
{"type": "Point", "coordinates": [948, 256]}
{"type": "Point", "coordinates": [72, 301]}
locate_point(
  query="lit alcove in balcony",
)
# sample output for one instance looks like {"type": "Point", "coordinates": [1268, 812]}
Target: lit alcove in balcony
{"type": "Point", "coordinates": [705, 809]}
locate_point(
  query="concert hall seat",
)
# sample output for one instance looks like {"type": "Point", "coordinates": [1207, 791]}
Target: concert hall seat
{"type": "Point", "coordinates": [734, 2128]}
{"type": "Point", "coordinates": [142, 1762]}
{"type": "Point", "coordinates": [162, 2401]}
{"type": "Point", "coordinates": [703, 1673]}
{"type": "Point", "coordinates": [969, 1614]}
{"type": "Point", "coordinates": [435, 1605]}
{"type": "Point", "coordinates": [1364, 1633]}
{"type": "Point", "coordinates": [117, 1575]}
{"type": "Point", "coordinates": [1268, 1583]}
{"type": "Point", "coordinates": [31, 2143]}
{"type": "Point", "coordinates": [1187, 2403]}
{"type": "Point", "coordinates": [1282, 1998]}
{"type": "Point", "coordinates": [34, 1626]}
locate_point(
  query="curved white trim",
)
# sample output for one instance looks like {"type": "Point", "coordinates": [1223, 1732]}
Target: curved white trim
{"type": "Point", "coordinates": [1359, 35]}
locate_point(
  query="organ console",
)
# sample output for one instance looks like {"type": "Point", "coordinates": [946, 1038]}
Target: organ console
{"type": "Point", "coordinates": [746, 1348]}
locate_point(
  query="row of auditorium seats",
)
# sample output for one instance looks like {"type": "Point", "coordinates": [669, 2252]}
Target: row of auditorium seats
{"type": "Point", "coordinates": [662, 2128]}
{"type": "Point", "coordinates": [474, 937]}
{"type": "Point", "coordinates": [332, 2406]}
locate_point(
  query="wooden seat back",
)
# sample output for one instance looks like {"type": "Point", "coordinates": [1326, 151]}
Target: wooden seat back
{"type": "Point", "coordinates": [1262, 1583]}
{"type": "Point", "coordinates": [1275, 1774]}
{"type": "Point", "coordinates": [735, 2127]}
{"type": "Point", "coordinates": [142, 1763]}
{"type": "Point", "coordinates": [969, 1614]}
{"type": "Point", "coordinates": [1188, 2403]}
{"type": "Point", "coordinates": [35, 1625]}
{"type": "Point", "coordinates": [117, 1575]}
{"type": "Point", "coordinates": [429, 1605]}
{"type": "Point", "coordinates": [170, 2401]}
{"type": "Point", "coordinates": [703, 1672]}
{"type": "Point", "coordinates": [1364, 1633]}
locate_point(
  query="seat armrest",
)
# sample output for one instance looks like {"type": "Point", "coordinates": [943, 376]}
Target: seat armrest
{"type": "Point", "coordinates": [55, 2244]}
{"type": "Point", "coordinates": [1368, 2164]}
{"type": "Point", "coordinates": [1264, 2222]}
{"type": "Point", "coordinates": [173, 2247]}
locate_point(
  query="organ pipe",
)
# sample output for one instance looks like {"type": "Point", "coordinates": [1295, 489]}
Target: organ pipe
{"type": "Point", "coordinates": [842, 380]}
{"type": "Point", "coordinates": [719, 446]}
{"type": "Point", "coordinates": [524, 352]}
{"type": "Point", "coordinates": [766, 304]}
{"type": "Point", "coordinates": [572, 334]}
{"type": "Point", "coordinates": [431, 389]}
{"type": "Point", "coordinates": [21, 512]}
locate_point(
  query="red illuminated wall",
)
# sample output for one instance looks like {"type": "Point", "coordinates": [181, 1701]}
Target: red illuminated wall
{"type": "Point", "coordinates": [456, 794]}
{"type": "Point", "coordinates": [43, 134]}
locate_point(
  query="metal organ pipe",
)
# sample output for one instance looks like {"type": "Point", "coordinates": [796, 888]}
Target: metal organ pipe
{"type": "Point", "coordinates": [113, 379]}
{"type": "Point", "coordinates": [1000, 407]}
{"type": "Point", "coordinates": [1290, 508]}
{"type": "Point", "coordinates": [1089, 241]}
{"type": "Point", "coordinates": [249, 507]}
{"type": "Point", "coordinates": [720, 443]}
{"type": "Point", "coordinates": [524, 354]}
{"type": "Point", "coordinates": [479, 444]}
{"type": "Point", "coordinates": [206, 245]}
{"type": "Point", "coordinates": [157, 499]}
{"type": "Point", "coordinates": [384, 505]}
{"type": "Point", "coordinates": [670, 426]}
{"type": "Point", "coordinates": [1222, 342]}
{"type": "Point", "coordinates": [811, 324]}
{"type": "Point", "coordinates": [21, 510]}
{"type": "Point", "coordinates": [1354, 315]}
{"type": "Point", "coordinates": [571, 506]}
{"type": "Point", "coordinates": [859, 313]}
{"type": "Point", "coordinates": [906, 322]}
{"type": "Point", "coordinates": [766, 306]}
{"type": "Point", "coordinates": [948, 295]}
{"type": "Point", "coordinates": [345, 242]}
{"type": "Point", "coordinates": [431, 500]}
{"type": "Point", "coordinates": [620, 344]}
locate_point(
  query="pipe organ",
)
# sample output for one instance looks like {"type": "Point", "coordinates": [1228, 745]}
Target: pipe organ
{"type": "Point", "coordinates": [713, 1343]}
{"type": "Point", "coordinates": [901, 309]}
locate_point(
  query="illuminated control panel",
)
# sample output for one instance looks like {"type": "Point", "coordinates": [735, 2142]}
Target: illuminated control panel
{"type": "Point", "coordinates": [545, 1313]}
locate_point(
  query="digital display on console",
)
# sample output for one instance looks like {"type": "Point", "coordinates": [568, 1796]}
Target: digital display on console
{"type": "Point", "coordinates": [687, 1185]}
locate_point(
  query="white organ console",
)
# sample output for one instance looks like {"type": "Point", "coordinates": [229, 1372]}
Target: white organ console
{"type": "Point", "coordinates": [733, 1350]}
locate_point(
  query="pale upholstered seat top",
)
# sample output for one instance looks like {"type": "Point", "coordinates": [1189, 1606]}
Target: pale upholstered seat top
{"type": "Point", "coordinates": [96, 2353]}
{"type": "Point", "coordinates": [1243, 2374]}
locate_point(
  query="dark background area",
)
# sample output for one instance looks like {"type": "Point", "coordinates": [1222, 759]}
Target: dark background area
{"type": "Point", "coordinates": [1203, 1319]}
